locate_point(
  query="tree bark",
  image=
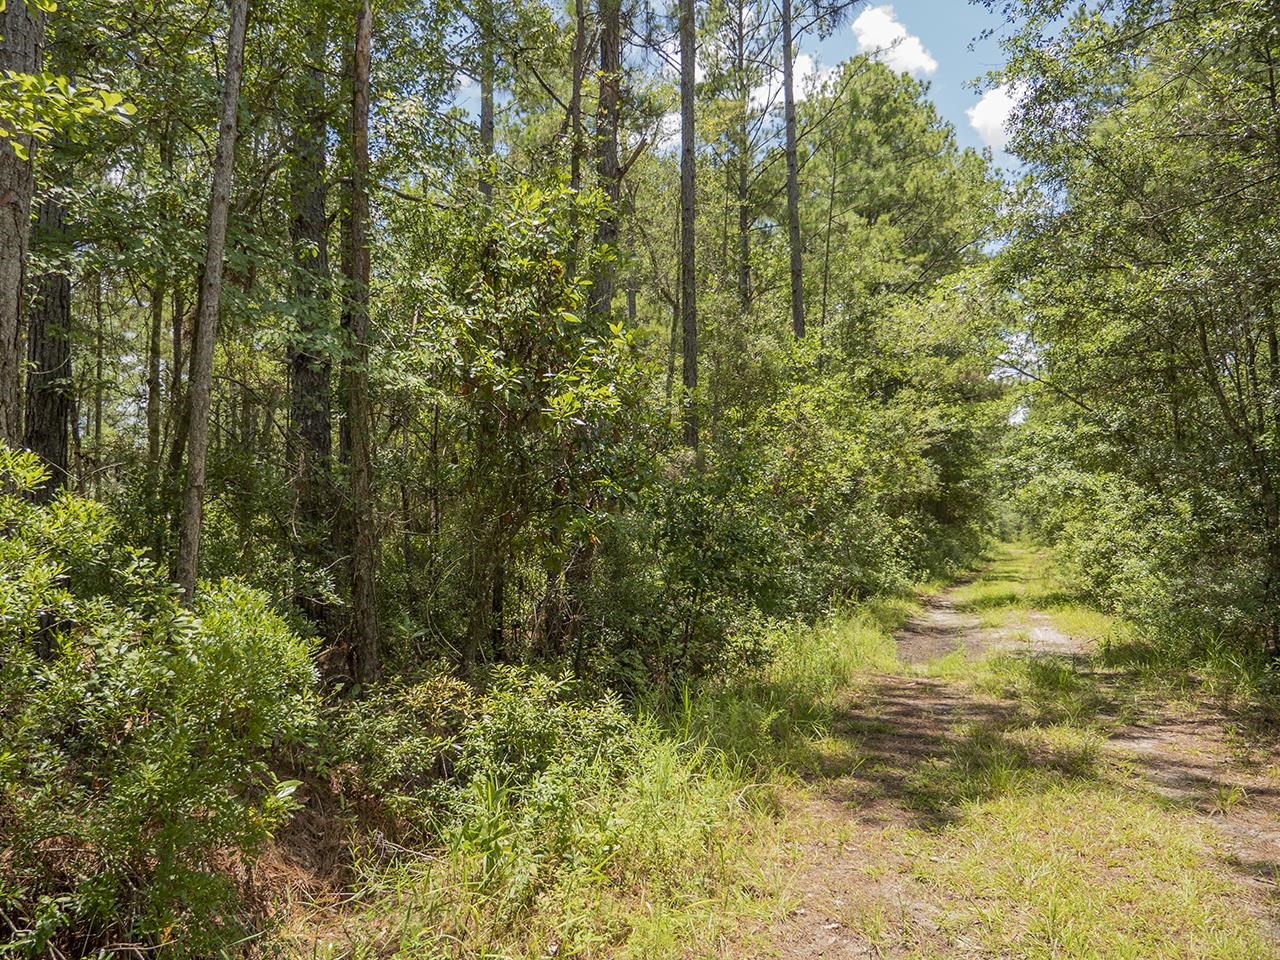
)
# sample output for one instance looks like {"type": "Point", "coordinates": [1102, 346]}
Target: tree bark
{"type": "Point", "coordinates": [206, 332]}
{"type": "Point", "coordinates": [49, 384]}
{"type": "Point", "coordinates": [688, 271]}
{"type": "Point", "coordinates": [177, 359]}
{"type": "Point", "coordinates": [743, 159]}
{"type": "Point", "coordinates": [488, 77]}
{"type": "Point", "coordinates": [153, 383]}
{"type": "Point", "coordinates": [99, 361]}
{"type": "Point", "coordinates": [579, 67]}
{"type": "Point", "coordinates": [310, 364]}
{"type": "Point", "coordinates": [364, 656]}
{"type": "Point", "coordinates": [793, 174]}
{"type": "Point", "coordinates": [607, 166]}
{"type": "Point", "coordinates": [21, 51]}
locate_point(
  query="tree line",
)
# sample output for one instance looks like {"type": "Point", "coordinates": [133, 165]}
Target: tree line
{"type": "Point", "coordinates": [1142, 264]}
{"type": "Point", "coordinates": [412, 437]}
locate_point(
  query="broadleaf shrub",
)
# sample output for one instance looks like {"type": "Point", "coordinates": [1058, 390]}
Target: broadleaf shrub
{"type": "Point", "coordinates": [134, 735]}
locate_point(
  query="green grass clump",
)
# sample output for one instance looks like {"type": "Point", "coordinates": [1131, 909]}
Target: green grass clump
{"type": "Point", "coordinates": [1048, 688]}
{"type": "Point", "coordinates": [1190, 663]}
{"type": "Point", "coordinates": [1019, 579]}
{"type": "Point", "coordinates": [775, 722]}
{"type": "Point", "coordinates": [640, 866]}
{"type": "Point", "coordinates": [1169, 658]}
{"type": "Point", "coordinates": [1046, 845]}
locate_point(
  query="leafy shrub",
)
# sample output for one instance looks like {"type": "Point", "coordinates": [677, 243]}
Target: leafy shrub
{"type": "Point", "coordinates": [1157, 560]}
{"type": "Point", "coordinates": [401, 742]}
{"type": "Point", "coordinates": [530, 723]}
{"type": "Point", "coordinates": [441, 757]}
{"type": "Point", "coordinates": [133, 734]}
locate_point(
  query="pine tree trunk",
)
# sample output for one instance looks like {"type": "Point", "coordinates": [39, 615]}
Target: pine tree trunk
{"type": "Point", "coordinates": [793, 174]}
{"type": "Point", "coordinates": [21, 43]}
{"type": "Point", "coordinates": [488, 77]}
{"type": "Point", "coordinates": [206, 333]}
{"type": "Point", "coordinates": [688, 271]}
{"type": "Point", "coordinates": [579, 67]}
{"type": "Point", "coordinates": [673, 341]}
{"type": "Point", "coordinates": [364, 655]}
{"type": "Point", "coordinates": [310, 397]}
{"type": "Point", "coordinates": [743, 160]}
{"type": "Point", "coordinates": [99, 361]}
{"type": "Point", "coordinates": [607, 166]}
{"type": "Point", "coordinates": [49, 384]}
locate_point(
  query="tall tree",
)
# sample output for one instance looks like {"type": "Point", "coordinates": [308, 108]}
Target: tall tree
{"type": "Point", "coordinates": [486, 28]}
{"type": "Point", "coordinates": [311, 436]}
{"type": "Point", "coordinates": [793, 172]}
{"type": "Point", "coordinates": [608, 166]}
{"type": "Point", "coordinates": [363, 653]}
{"type": "Point", "coordinates": [21, 51]}
{"type": "Point", "coordinates": [206, 331]}
{"type": "Point", "coordinates": [578, 69]}
{"type": "Point", "coordinates": [688, 210]}
{"type": "Point", "coordinates": [49, 383]}
{"type": "Point", "coordinates": [742, 150]}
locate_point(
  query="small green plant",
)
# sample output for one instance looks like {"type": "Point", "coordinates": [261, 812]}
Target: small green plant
{"type": "Point", "coordinates": [1226, 797]}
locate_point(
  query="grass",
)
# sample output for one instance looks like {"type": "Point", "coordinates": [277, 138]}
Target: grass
{"type": "Point", "coordinates": [1084, 870]}
{"type": "Point", "coordinates": [778, 724]}
{"type": "Point", "coordinates": [677, 859]}
{"type": "Point", "coordinates": [666, 860]}
{"type": "Point", "coordinates": [1018, 580]}
{"type": "Point", "coordinates": [1018, 833]}
{"type": "Point", "coordinates": [1045, 843]}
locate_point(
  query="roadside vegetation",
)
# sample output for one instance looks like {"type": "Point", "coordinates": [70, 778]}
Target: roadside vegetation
{"type": "Point", "coordinates": [515, 478]}
{"type": "Point", "coordinates": [1015, 824]}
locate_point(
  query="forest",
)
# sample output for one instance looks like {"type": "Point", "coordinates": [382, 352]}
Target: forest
{"type": "Point", "coordinates": [510, 478]}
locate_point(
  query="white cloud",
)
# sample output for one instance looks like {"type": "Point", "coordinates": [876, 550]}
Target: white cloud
{"type": "Point", "coordinates": [990, 115]}
{"type": "Point", "coordinates": [881, 34]}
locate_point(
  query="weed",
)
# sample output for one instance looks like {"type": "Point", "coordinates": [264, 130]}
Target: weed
{"type": "Point", "coordinates": [649, 838]}
{"type": "Point", "coordinates": [1226, 797]}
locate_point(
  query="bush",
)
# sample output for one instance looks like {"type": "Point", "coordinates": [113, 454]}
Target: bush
{"type": "Point", "coordinates": [398, 745]}
{"type": "Point", "coordinates": [428, 751]}
{"type": "Point", "coordinates": [133, 781]}
{"type": "Point", "coordinates": [1160, 561]}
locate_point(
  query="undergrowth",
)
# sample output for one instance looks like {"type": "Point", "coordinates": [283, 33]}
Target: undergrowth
{"type": "Point", "coordinates": [1185, 661]}
{"type": "Point", "coordinates": [574, 829]}
{"type": "Point", "coordinates": [1076, 868]}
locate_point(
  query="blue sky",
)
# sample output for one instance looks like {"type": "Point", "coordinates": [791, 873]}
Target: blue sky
{"type": "Point", "coordinates": [933, 40]}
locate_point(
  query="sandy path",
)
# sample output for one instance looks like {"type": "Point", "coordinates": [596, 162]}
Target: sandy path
{"type": "Point", "coordinates": [849, 859]}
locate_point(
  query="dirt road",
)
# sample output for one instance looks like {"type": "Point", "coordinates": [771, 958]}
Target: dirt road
{"type": "Point", "coordinates": [1004, 794]}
